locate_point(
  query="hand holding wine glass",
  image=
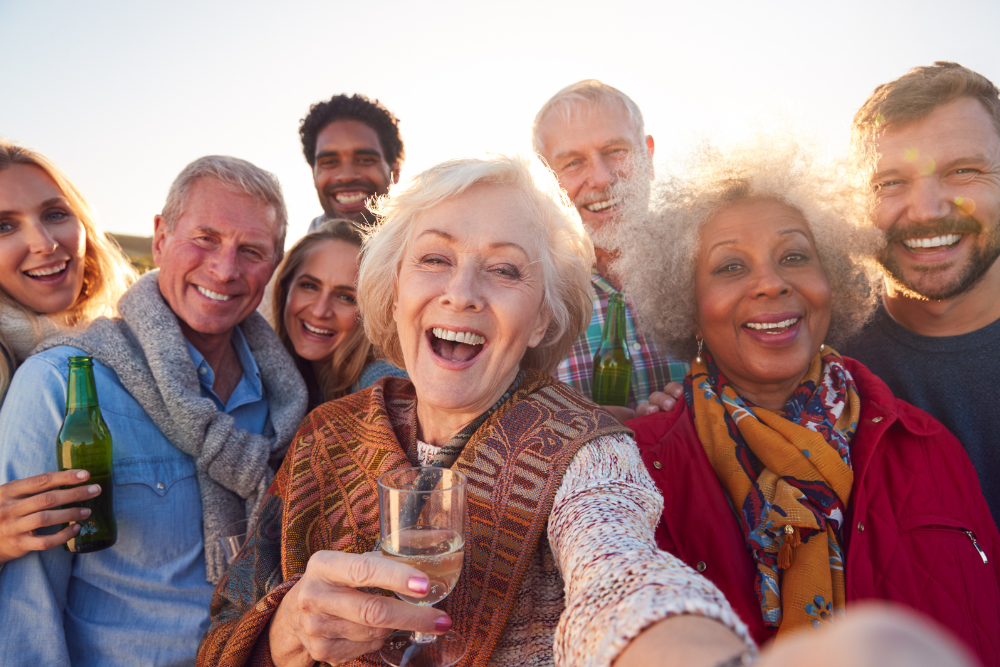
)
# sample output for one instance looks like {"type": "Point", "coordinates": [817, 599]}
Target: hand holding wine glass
{"type": "Point", "coordinates": [325, 618]}
{"type": "Point", "coordinates": [422, 516]}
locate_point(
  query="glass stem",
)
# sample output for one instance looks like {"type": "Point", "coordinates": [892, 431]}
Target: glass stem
{"type": "Point", "coordinates": [423, 637]}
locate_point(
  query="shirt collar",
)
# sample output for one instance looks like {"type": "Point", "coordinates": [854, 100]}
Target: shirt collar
{"type": "Point", "coordinates": [250, 387]}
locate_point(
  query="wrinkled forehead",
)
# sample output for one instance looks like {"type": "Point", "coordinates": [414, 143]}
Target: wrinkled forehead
{"type": "Point", "coordinates": [582, 119]}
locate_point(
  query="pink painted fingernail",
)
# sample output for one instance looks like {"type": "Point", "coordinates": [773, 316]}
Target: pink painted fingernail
{"type": "Point", "coordinates": [417, 584]}
{"type": "Point", "coordinates": [83, 474]}
{"type": "Point", "coordinates": [443, 624]}
{"type": "Point", "coordinates": [93, 488]}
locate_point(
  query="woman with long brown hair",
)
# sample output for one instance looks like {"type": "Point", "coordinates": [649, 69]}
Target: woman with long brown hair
{"type": "Point", "coordinates": [315, 313]}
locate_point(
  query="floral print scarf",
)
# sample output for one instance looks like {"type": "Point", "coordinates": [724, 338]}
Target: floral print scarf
{"type": "Point", "coordinates": [788, 476]}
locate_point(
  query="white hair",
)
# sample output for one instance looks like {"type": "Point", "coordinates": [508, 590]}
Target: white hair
{"type": "Point", "coordinates": [589, 92]}
{"type": "Point", "coordinates": [565, 251]}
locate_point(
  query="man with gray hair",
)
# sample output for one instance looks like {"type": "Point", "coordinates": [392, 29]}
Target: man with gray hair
{"type": "Point", "coordinates": [592, 136]}
{"type": "Point", "coordinates": [201, 400]}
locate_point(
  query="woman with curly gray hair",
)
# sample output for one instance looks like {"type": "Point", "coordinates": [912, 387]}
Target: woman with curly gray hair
{"type": "Point", "coordinates": [755, 263]}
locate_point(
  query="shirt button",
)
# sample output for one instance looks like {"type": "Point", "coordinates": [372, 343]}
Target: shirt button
{"type": "Point", "coordinates": [203, 371]}
{"type": "Point", "coordinates": [160, 486]}
{"type": "Point", "coordinates": [876, 420]}
{"type": "Point", "coordinates": [657, 465]}
{"type": "Point", "coordinates": [700, 566]}
{"type": "Point", "coordinates": [636, 346]}
{"type": "Point", "coordinates": [861, 527]}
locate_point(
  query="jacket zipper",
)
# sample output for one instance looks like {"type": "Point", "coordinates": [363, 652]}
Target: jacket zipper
{"type": "Point", "coordinates": [976, 544]}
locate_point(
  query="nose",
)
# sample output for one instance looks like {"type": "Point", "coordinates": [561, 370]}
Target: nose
{"type": "Point", "coordinates": [769, 282]}
{"type": "Point", "coordinates": [223, 264]}
{"type": "Point", "coordinates": [602, 174]}
{"type": "Point", "coordinates": [927, 200]}
{"type": "Point", "coordinates": [346, 172]}
{"type": "Point", "coordinates": [322, 307]}
{"type": "Point", "coordinates": [463, 292]}
{"type": "Point", "coordinates": [40, 241]}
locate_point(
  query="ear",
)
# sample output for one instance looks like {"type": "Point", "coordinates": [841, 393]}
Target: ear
{"type": "Point", "coordinates": [160, 235]}
{"type": "Point", "coordinates": [394, 170]}
{"type": "Point", "coordinates": [542, 321]}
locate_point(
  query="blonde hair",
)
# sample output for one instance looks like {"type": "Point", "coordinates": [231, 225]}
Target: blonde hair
{"type": "Point", "coordinates": [659, 246]}
{"type": "Point", "coordinates": [107, 273]}
{"type": "Point", "coordinates": [566, 256]}
{"type": "Point", "coordinates": [236, 175]}
{"type": "Point", "coordinates": [336, 374]}
{"type": "Point", "coordinates": [588, 92]}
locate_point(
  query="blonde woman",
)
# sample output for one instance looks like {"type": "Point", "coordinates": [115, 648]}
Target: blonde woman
{"type": "Point", "coordinates": [315, 311]}
{"type": "Point", "coordinates": [57, 270]}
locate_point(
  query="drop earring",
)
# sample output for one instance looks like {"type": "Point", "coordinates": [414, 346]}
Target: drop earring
{"type": "Point", "coordinates": [701, 342]}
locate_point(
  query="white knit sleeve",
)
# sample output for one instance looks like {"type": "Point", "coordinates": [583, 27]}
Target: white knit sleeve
{"type": "Point", "coordinates": [617, 582]}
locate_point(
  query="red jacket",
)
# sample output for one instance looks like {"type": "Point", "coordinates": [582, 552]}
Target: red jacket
{"type": "Point", "coordinates": [914, 502]}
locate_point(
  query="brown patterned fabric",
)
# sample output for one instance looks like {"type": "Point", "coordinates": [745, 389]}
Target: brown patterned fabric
{"type": "Point", "coordinates": [325, 498]}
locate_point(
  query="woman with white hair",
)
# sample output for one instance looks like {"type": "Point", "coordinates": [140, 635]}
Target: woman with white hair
{"type": "Point", "coordinates": [477, 282]}
{"type": "Point", "coordinates": [792, 477]}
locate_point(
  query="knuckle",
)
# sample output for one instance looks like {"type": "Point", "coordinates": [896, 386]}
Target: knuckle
{"type": "Point", "coordinates": [362, 571]}
{"type": "Point", "coordinates": [48, 499]}
{"type": "Point", "coordinates": [44, 480]}
{"type": "Point", "coordinates": [374, 612]}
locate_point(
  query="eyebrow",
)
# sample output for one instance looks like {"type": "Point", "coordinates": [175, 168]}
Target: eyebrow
{"type": "Point", "coordinates": [313, 278]}
{"type": "Point", "coordinates": [609, 142]}
{"type": "Point", "coordinates": [448, 237]}
{"type": "Point", "coordinates": [356, 151]}
{"type": "Point", "coordinates": [48, 202]}
{"type": "Point", "coordinates": [783, 232]}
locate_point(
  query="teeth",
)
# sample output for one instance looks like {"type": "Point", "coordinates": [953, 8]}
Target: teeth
{"type": "Point", "coordinates": [933, 242]}
{"type": "Point", "coordinates": [213, 295]}
{"type": "Point", "coordinates": [322, 332]}
{"type": "Point", "coordinates": [601, 205]}
{"type": "Point", "coordinates": [466, 337]}
{"type": "Point", "coordinates": [763, 326]}
{"type": "Point", "coordinates": [38, 273]}
{"type": "Point", "coordinates": [350, 197]}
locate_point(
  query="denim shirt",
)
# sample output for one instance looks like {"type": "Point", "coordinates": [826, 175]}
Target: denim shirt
{"type": "Point", "coordinates": [144, 601]}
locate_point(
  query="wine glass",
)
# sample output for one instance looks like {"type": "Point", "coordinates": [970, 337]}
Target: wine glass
{"type": "Point", "coordinates": [422, 517]}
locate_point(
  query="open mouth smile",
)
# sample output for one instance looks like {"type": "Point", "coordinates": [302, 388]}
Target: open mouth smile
{"type": "Point", "coordinates": [316, 331]}
{"type": "Point", "coordinates": [48, 273]}
{"type": "Point", "coordinates": [351, 198]}
{"type": "Point", "coordinates": [932, 244]}
{"type": "Point", "coordinates": [458, 347]}
{"type": "Point", "coordinates": [600, 206]}
{"type": "Point", "coordinates": [214, 296]}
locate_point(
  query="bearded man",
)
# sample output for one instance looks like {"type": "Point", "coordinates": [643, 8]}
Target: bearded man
{"type": "Point", "coordinates": [934, 140]}
{"type": "Point", "coordinates": [592, 136]}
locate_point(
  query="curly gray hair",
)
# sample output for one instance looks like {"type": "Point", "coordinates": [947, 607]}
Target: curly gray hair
{"type": "Point", "coordinates": [658, 239]}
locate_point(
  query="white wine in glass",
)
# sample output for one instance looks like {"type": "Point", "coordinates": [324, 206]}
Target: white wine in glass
{"type": "Point", "coordinates": [422, 517]}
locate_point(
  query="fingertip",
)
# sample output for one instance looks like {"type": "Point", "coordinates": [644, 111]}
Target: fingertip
{"type": "Point", "coordinates": [82, 474]}
{"type": "Point", "coordinates": [442, 624]}
{"type": "Point", "coordinates": [75, 528]}
{"type": "Point", "coordinates": [94, 489]}
{"type": "Point", "coordinates": [419, 585]}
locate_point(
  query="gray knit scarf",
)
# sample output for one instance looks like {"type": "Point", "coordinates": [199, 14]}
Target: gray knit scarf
{"type": "Point", "coordinates": [146, 349]}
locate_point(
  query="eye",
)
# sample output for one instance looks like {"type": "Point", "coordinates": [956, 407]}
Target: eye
{"type": "Point", "coordinates": [433, 260]}
{"type": "Point", "coordinates": [728, 268]}
{"type": "Point", "coordinates": [885, 184]}
{"type": "Point", "coordinates": [56, 215]}
{"type": "Point", "coordinates": [348, 298]}
{"type": "Point", "coordinates": [507, 271]}
{"type": "Point", "coordinates": [795, 257]}
{"type": "Point", "coordinates": [367, 161]}
{"type": "Point", "coordinates": [6, 226]}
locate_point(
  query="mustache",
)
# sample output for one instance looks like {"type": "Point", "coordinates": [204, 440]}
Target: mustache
{"type": "Point", "coordinates": [942, 227]}
{"type": "Point", "coordinates": [592, 197]}
{"type": "Point", "coordinates": [356, 184]}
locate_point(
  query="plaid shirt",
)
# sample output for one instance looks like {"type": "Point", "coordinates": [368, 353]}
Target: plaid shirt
{"type": "Point", "coordinates": [651, 370]}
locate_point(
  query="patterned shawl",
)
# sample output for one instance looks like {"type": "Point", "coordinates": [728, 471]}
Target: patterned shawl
{"type": "Point", "coordinates": [325, 498]}
{"type": "Point", "coordinates": [788, 475]}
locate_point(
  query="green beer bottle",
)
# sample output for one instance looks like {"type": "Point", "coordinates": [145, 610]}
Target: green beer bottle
{"type": "Point", "coordinates": [84, 442]}
{"type": "Point", "coordinates": [613, 363]}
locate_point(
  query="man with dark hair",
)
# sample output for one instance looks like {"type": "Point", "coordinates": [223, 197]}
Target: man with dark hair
{"type": "Point", "coordinates": [933, 137]}
{"type": "Point", "coordinates": [355, 151]}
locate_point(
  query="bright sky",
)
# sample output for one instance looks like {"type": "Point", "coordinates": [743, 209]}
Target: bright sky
{"type": "Point", "coordinates": [123, 94]}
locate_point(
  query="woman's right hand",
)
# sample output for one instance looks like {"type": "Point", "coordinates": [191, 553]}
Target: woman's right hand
{"type": "Point", "coordinates": [29, 504]}
{"type": "Point", "coordinates": [324, 618]}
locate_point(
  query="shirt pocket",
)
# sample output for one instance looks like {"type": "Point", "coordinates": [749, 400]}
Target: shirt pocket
{"type": "Point", "coordinates": [157, 508]}
{"type": "Point", "coordinates": [945, 529]}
